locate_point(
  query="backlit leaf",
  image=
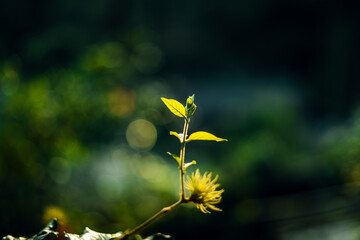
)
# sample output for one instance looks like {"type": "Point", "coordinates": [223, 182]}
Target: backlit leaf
{"type": "Point", "coordinates": [179, 136]}
{"type": "Point", "coordinates": [175, 157]}
{"type": "Point", "coordinates": [205, 136]}
{"type": "Point", "coordinates": [186, 165]}
{"type": "Point", "coordinates": [175, 107]}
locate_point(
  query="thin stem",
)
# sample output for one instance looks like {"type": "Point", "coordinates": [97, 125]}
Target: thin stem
{"type": "Point", "coordinates": [182, 157]}
{"type": "Point", "coordinates": [152, 219]}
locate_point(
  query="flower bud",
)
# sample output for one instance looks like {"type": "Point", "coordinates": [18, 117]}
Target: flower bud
{"type": "Point", "coordinates": [190, 101]}
{"type": "Point", "coordinates": [190, 106]}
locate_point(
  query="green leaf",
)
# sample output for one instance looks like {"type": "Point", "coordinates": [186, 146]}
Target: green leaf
{"type": "Point", "coordinates": [204, 136]}
{"type": "Point", "coordinates": [159, 236]}
{"type": "Point", "coordinates": [175, 107]}
{"type": "Point", "coordinates": [48, 233]}
{"type": "Point", "coordinates": [186, 165]}
{"type": "Point", "coordinates": [175, 157]}
{"type": "Point", "coordinates": [89, 234]}
{"type": "Point", "coordinates": [176, 135]}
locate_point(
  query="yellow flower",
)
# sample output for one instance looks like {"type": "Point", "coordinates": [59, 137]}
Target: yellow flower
{"type": "Point", "coordinates": [203, 191]}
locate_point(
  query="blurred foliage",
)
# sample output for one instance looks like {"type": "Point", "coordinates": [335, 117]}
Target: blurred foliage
{"type": "Point", "coordinates": [53, 126]}
{"type": "Point", "coordinates": [88, 147]}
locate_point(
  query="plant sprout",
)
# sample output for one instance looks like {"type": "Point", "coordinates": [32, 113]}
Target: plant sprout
{"type": "Point", "coordinates": [202, 188]}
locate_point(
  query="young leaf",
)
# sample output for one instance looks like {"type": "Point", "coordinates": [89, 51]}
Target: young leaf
{"type": "Point", "coordinates": [175, 157]}
{"type": "Point", "coordinates": [189, 164]}
{"type": "Point", "coordinates": [175, 107]}
{"type": "Point", "coordinates": [176, 135]}
{"type": "Point", "coordinates": [205, 136]}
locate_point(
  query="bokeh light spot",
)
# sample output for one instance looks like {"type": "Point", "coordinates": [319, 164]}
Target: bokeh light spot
{"type": "Point", "coordinates": [122, 102]}
{"type": "Point", "coordinates": [111, 180]}
{"type": "Point", "coordinates": [51, 212]}
{"type": "Point", "coordinates": [141, 134]}
{"type": "Point", "coordinates": [107, 56]}
{"type": "Point", "coordinates": [157, 173]}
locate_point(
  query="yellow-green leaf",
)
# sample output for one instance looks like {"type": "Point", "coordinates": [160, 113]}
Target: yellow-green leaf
{"type": "Point", "coordinates": [205, 136]}
{"type": "Point", "coordinates": [176, 135]}
{"type": "Point", "coordinates": [175, 157]}
{"type": "Point", "coordinates": [175, 107]}
{"type": "Point", "coordinates": [188, 165]}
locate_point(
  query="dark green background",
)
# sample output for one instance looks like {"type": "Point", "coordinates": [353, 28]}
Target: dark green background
{"type": "Point", "coordinates": [279, 79]}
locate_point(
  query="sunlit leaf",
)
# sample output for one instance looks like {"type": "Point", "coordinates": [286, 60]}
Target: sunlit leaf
{"type": "Point", "coordinates": [175, 107]}
{"type": "Point", "coordinates": [186, 165]}
{"type": "Point", "coordinates": [175, 157]}
{"type": "Point", "coordinates": [179, 136]}
{"type": "Point", "coordinates": [89, 234]}
{"type": "Point", "coordinates": [48, 233]}
{"type": "Point", "coordinates": [159, 236]}
{"type": "Point", "coordinates": [204, 136]}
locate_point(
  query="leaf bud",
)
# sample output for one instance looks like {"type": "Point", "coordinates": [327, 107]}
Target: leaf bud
{"type": "Point", "coordinates": [190, 101]}
{"type": "Point", "coordinates": [190, 106]}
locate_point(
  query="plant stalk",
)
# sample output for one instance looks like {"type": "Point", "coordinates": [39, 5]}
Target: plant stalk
{"type": "Point", "coordinates": [152, 219]}
{"type": "Point", "coordinates": [182, 157]}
